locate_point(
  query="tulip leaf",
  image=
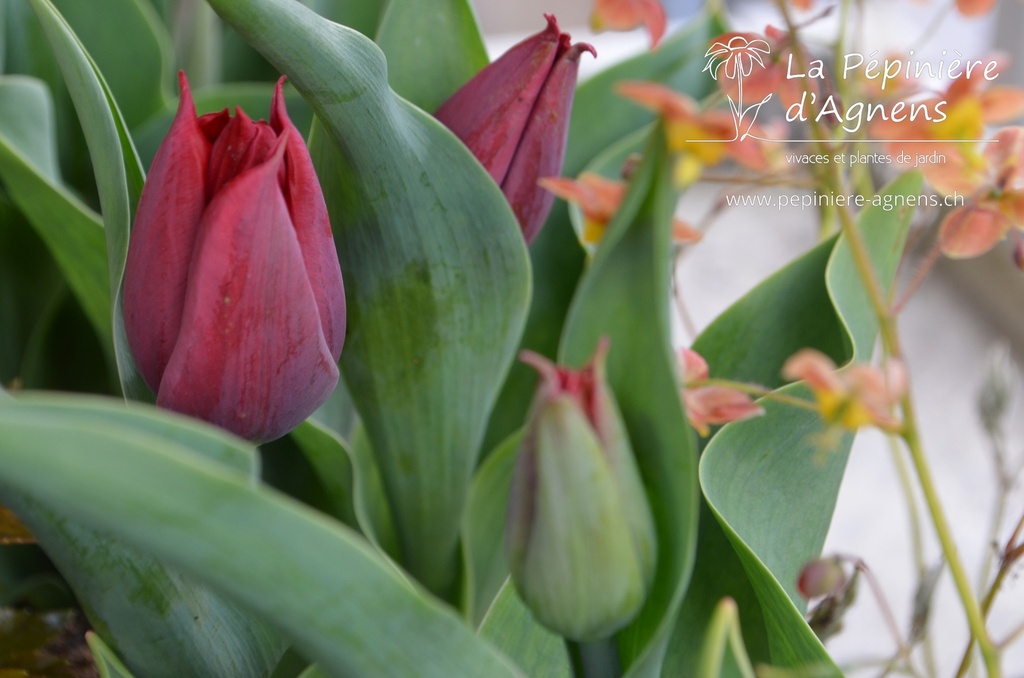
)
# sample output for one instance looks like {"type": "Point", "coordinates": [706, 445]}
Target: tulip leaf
{"type": "Point", "coordinates": [768, 482]}
{"type": "Point", "coordinates": [483, 530]}
{"type": "Point", "coordinates": [119, 175]}
{"type": "Point", "coordinates": [352, 481]}
{"type": "Point", "coordinates": [723, 654]}
{"type": "Point", "coordinates": [28, 168]}
{"type": "Point", "coordinates": [364, 16]}
{"type": "Point", "coordinates": [129, 44]}
{"type": "Point", "coordinates": [107, 661]}
{"type": "Point", "coordinates": [170, 626]}
{"type": "Point", "coordinates": [624, 296]}
{"type": "Point", "coordinates": [435, 268]}
{"type": "Point", "coordinates": [512, 628]}
{"type": "Point", "coordinates": [318, 582]}
{"type": "Point", "coordinates": [417, 70]}
{"type": "Point", "coordinates": [600, 117]}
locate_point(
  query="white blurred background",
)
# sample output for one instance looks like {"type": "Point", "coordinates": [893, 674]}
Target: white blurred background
{"type": "Point", "coordinates": [961, 312]}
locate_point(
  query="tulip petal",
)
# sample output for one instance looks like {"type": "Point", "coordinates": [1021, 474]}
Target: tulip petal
{"type": "Point", "coordinates": [541, 149]}
{"type": "Point", "coordinates": [241, 145]}
{"type": "Point", "coordinates": [971, 231]}
{"type": "Point", "coordinates": [166, 222]}
{"type": "Point", "coordinates": [251, 356]}
{"type": "Point", "coordinates": [312, 226]}
{"type": "Point", "coordinates": [490, 112]}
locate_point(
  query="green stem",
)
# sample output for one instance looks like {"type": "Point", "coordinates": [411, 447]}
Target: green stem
{"type": "Point", "coordinates": [757, 392]}
{"type": "Point", "coordinates": [599, 659]}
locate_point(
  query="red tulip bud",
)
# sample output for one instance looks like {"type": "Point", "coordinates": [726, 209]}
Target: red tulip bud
{"type": "Point", "coordinates": [233, 300]}
{"type": "Point", "coordinates": [514, 116]}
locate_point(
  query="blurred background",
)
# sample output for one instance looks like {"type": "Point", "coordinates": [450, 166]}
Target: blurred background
{"type": "Point", "coordinates": [963, 312]}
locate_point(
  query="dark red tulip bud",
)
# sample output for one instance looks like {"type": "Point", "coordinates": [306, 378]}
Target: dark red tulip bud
{"type": "Point", "coordinates": [233, 300]}
{"type": "Point", "coordinates": [514, 116]}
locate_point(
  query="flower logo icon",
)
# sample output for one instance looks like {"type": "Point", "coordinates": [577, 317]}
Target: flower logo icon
{"type": "Point", "coordinates": [734, 55]}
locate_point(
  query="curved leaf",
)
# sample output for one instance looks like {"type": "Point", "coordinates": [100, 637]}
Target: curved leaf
{"type": "Point", "coordinates": [624, 296]}
{"type": "Point", "coordinates": [319, 583]}
{"type": "Point", "coordinates": [28, 168]}
{"type": "Point", "coordinates": [510, 625]}
{"type": "Point", "coordinates": [435, 271]}
{"type": "Point", "coordinates": [119, 175]}
{"type": "Point", "coordinates": [768, 480]}
{"type": "Point", "coordinates": [417, 69]}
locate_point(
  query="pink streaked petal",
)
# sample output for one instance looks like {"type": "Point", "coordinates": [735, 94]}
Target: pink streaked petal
{"type": "Point", "coordinates": [624, 15]}
{"type": "Point", "coordinates": [312, 226]}
{"type": "Point", "coordinates": [693, 366]}
{"type": "Point", "coordinates": [541, 149]}
{"type": "Point", "coordinates": [1000, 105]}
{"type": "Point", "coordinates": [490, 111]}
{"type": "Point", "coordinates": [251, 356]}
{"type": "Point", "coordinates": [971, 231]}
{"type": "Point", "coordinates": [164, 231]}
{"type": "Point", "coordinates": [814, 367]}
{"type": "Point", "coordinates": [975, 7]}
{"type": "Point", "coordinates": [714, 405]}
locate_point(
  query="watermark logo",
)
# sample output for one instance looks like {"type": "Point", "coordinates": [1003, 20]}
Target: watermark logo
{"type": "Point", "coordinates": [735, 59]}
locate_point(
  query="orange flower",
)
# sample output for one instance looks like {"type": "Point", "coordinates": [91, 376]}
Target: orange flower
{"type": "Point", "coordinates": [624, 15]}
{"type": "Point", "coordinates": [703, 137]}
{"type": "Point", "coordinates": [975, 7]}
{"type": "Point", "coordinates": [599, 199]}
{"type": "Point", "coordinates": [708, 406]}
{"type": "Point", "coordinates": [996, 187]}
{"type": "Point", "coordinates": [859, 395]}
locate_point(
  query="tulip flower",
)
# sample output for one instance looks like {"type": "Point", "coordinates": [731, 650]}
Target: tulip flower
{"type": "Point", "coordinates": [580, 536]}
{"type": "Point", "coordinates": [233, 299]}
{"type": "Point", "coordinates": [514, 116]}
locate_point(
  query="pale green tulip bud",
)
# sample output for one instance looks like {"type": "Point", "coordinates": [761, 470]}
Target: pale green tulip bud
{"type": "Point", "coordinates": [580, 537]}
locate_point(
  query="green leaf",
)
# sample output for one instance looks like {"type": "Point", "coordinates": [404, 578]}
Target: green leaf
{"type": "Point", "coordinates": [435, 268]}
{"type": "Point", "coordinates": [624, 296]}
{"type": "Point", "coordinates": [119, 175]}
{"type": "Point", "coordinates": [417, 69]}
{"type": "Point", "coordinates": [319, 583]}
{"type": "Point", "coordinates": [351, 479]}
{"type": "Point", "coordinates": [129, 44]}
{"type": "Point", "coordinates": [769, 481]}
{"type": "Point", "coordinates": [28, 168]}
{"type": "Point", "coordinates": [168, 625]}
{"type": "Point", "coordinates": [483, 530]}
{"type": "Point", "coordinates": [510, 625]}
{"type": "Point", "coordinates": [106, 660]}
{"type": "Point", "coordinates": [363, 16]}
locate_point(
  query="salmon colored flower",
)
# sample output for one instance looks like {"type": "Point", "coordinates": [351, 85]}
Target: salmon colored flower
{"type": "Point", "coordinates": [625, 15]}
{"type": "Point", "coordinates": [860, 395]}
{"type": "Point", "coordinates": [599, 199]}
{"type": "Point", "coordinates": [708, 406]}
{"type": "Point", "coordinates": [996, 188]}
{"type": "Point", "coordinates": [702, 138]}
{"type": "Point", "coordinates": [975, 7]}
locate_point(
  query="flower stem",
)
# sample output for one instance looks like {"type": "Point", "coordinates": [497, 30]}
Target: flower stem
{"type": "Point", "coordinates": [599, 659]}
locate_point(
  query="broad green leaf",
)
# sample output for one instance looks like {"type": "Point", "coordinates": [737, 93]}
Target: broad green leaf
{"type": "Point", "coordinates": [769, 481]}
{"type": "Point", "coordinates": [318, 582]}
{"type": "Point", "coordinates": [119, 175]}
{"type": "Point", "coordinates": [131, 47]}
{"type": "Point", "coordinates": [28, 168]}
{"type": "Point", "coordinates": [417, 69]}
{"type": "Point", "coordinates": [483, 530]}
{"type": "Point", "coordinates": [106, 659]}
{"type": "Point", "coordinates": [363, 16]}
{"type": "Point", "coordinates": [436, 273]}
{"type": "Point", "coordinates": [624, 296]}
{"type": "Point", "coordinates": [600, 118]}
{"type": "Point", "coordinates": [512, 628]}
{"type": "Point", "coordinates": [29, 283]}
{"type": "Point", "coordinates": [168, 625]}
{"type": "Point", "coordinates": [352, 480]}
